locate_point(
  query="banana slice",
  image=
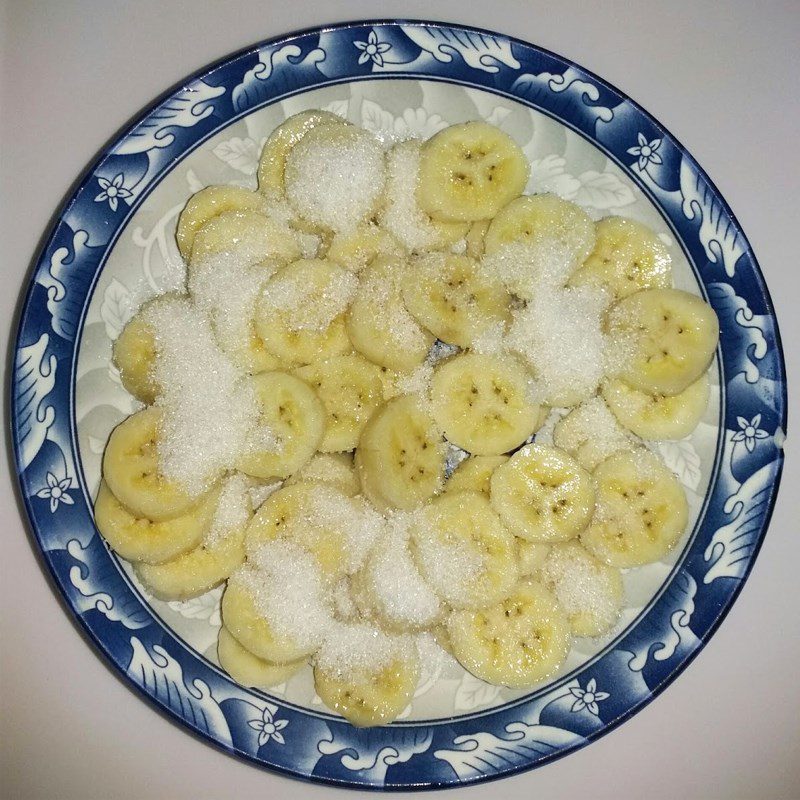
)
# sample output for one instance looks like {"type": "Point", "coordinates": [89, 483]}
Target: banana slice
{"type": "Point", "coordinates": [517, 642]}
{"type": "Point", "coordinates": [368, 486]}
{"type": "Point", "coordinates": [401, 214]}
{"type": "Point", "coordinates": [658, 416]}
{"type": "Point", "coordinates": [293, 424]}
{"type": "Point", "coordinates": [355, 250]}
{"type": "Point", "coordinates": [450, 296]}
{"type": "Point", "coordinates": [211, 202]}
{"type": "Point", "coordinates": [531, 556]}
{"type": "Point", "coordinates": [469, 172]}
{"type": "Point", "coordinates": [350, 388]}
{"type": "Point", "coordinates": [401, 453]}
{"type": "Point", "coordinates": [130, 468]}
{"type": "Point", "coordinates": [245, 622]}
{"type": "Point", "coordinates": [590, 593]}
{"type": "Point", "coordinates": [334, 176]}
{"type": "Point", "coordinates": [251, 234]}
{"type": "Point", "coordinates": [300, 317]}
{"type": "Point", "coordinates": [483, 404]}
{"type": "Point", "coordinates": [365, 694]}
{"type": "Point", "coordinates": [590, 434]}
{"type": "Point", "coordinates": [272, 164]}
{"type": "Point", "coordinates": [641, 511]}
{"type": "Point", "coordinates": [378, 323]}
{"type": "Point", "coordinates": [542, 494]}
{"type": "Point", "coordinates": [140, 539]}
{"type": "Point", "coordinates": [196, 572]}
{"type": "Point", "coordinates": [664, 339]}
{"type": "Point", "coordinates": [475, 238]}
{"type": "Point", "coordinates": [134, 355]}
{"type": "Point", "coordinates": [249, 670]}
{"type": "Point", "coordinates": [474, 474]}
{"type": "Point", "coordinates": [627, 257]}
{"type": "Point", "coordinates": [335, 469]}
{"type": "Point", "coordinates": [537, 240]}
{"type": "Point", "coordinates": [464, 551]}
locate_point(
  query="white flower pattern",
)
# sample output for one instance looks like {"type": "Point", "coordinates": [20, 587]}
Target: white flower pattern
{"type": "Point", "coordinates": [56, 491]}
{"type": "Point", "coordinates": [588, 697]}
{"type": "Point", "coordinates": [268, 728]}
{"type": "Point", "coordinates": [646, 151]}
{"type": "Point", "coordinates": [372, 49]}
{"type": "Point", "coordinates": [750, 431]}
{"type": "Point", "coordinates": [112, 190]}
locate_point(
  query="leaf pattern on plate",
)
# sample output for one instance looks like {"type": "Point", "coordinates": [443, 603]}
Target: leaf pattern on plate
{"type": "Point", "coordinates": [682, 458]}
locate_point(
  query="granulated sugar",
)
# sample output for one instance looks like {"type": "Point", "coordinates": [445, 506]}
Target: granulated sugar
{"type": "Point", "coordinates": [492, 341]}
{"type": "Point", "coordinates": [209, 411]}
{"type": "Point", "coordinates": [418, 381]}
{"type": "Point", "coordinates": [334, 176]}
{"type": "Point", "coordinates": [358, 648]}
{"type": "Point", "coordinates": [528, 268]}
{"type": "Point", "coordinates": [259, 492]}
{"type": "Point", "coordinates": [233, 509]}
{"type": "Point", "coordinates": [344, 608]}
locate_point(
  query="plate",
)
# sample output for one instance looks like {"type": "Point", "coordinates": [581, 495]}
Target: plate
{"type": "Point", "coordinates": [113, 245]}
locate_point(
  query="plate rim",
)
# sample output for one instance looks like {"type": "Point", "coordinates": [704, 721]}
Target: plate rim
{"type": "Point", "coordinates": [71, 197]}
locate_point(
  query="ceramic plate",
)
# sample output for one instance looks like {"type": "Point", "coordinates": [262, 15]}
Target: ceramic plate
{"type": "Point", "coordinates": [113, 245]}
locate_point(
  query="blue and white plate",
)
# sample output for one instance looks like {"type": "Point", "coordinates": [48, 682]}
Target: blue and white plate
{"type": "Point", "coordinates": [113, 245]}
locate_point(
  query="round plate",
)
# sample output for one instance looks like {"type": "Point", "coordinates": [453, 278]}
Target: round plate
{"type": "Point", "coordinates": [113, 243]}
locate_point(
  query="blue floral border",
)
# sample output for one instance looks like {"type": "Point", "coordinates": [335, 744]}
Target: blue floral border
{"type": "Point", "coordinates": [552, 722]}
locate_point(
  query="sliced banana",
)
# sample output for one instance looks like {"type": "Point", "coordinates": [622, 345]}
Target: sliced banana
{"type": "Point", "coordinates": [134, 355]}
{"type": "Point", "coordinates": [641, 511]}
{"type": "Point", "coordinates": [357, 249]}
{"type": "Point", "coordinates": [450, 296]}
{"type": "Point", "coordinates": [474, 474]}
{"type": "Point", "coordinates": [242, 618]}
{"type": "Point", "coordinates": [196, 572]}
{"type": "Point", "coordinates": [542, 494]}
{"type": "Point", "coordinates": [292, 422]}
{"type": "Point", "coordinates": [300, 316]}
{"type": "Point", "coordinates": [590, 434]}
{"type": "Point", "coordinates": [336, 469]}
{"type": "Point", "coordinates": [483, 404]}
{"type": "Point", "coordinates": [368, 487]}
{"type": "Point", "coordinates": [464, 551]}
{"type": "Point", "coordinates": [664, 339]}
{"type": "Point", "coordinates": [130, 468]}
{"type": "Point", "coordinates": [401, 214]}
{"type": "Point", "coordinates": [627, 257]}
{"type": "Point", "coordinates": [272, 163]}
{"type": "Point", "coordinates": [350, 388]}
{"type": "Point", "coordinates": [517, 642]}
{"type": "Point", "coordinates": [469, 172]}
{"type": "Point", "coordinates": [531, 556]}
{"type": "Point", "coordinates": [401, 453]}
{"type": "Point", "coordinates": [369, 696]}
{"type": "Point", "coordinates": [475, 238]}
{"type": "Point", "coordinates": [140, 539]}
{"type": "Point", "coordinates": [211, 202]}
{"type": "Point", "coordinates": [591, 593]}
{"type": "Point", "coordinates": [537, 240]}
{"type": "Point", "coordinates": [658, 416]}
{"type": "Point", "coordinates": [378, 323]}
{"type": "Point", "coordinates": [251, 234]}
{"type": "Point", "coordinates": [334, 176]}
{"type": "Point", "coordinates": [249, 670]}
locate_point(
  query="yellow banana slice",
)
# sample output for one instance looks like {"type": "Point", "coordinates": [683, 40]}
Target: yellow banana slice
{"type": "Point", "coordinates": [665, 339]}
{"type": "Point", "coordinates": [249, 670]}
{"type": "Point", "coordinates": [292, 423]}
{"type": "Point", "coordinates": [483, 403]}
{"type": "Point", "coordinates": [641, 511]}
{"type": "Point", "coordinates": [134, 356]}
{"type": "Point", "coordinates": [531, 556]}
{"type": "Point", "coordinates": [357, 249]}
{"type": "Point", "coordinates": [474, 474]}
{"type": "Point", "coordinates": [658, 416]}
{"type": "Point", "coordinates": [401, 453]}
{"type": "Point", "coordinates": [140, 539]}
{"type": "Point", "coordinates": [518, 642]}
{"type": "Point", "coordinates": [450, 296]}
{"type": "Point", "coordinates": [350, 388]}
{"type": "Point", "coordinates": [469, 172]}
{"type": "Point", "coordinates": [542, 494]}
{"type": "Point", "coordinates": [336, 469]}
{"type": "Point", "coordinates": [475, 238]}
{"type": "Point", "coordinates": [464, 551]}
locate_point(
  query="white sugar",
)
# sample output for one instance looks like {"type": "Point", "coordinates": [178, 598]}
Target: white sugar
{"type": "Point", "coordinates": [310, 244]}
{"type": "Point", "coordinates": [527, 268]}
{"type": "Point", "coordinates": [559, 333]}
{"type": "Point", "coordinates": [491, 342]}
{"type": "Point", "coordinates": [335, 180]}
{"type": "Point", "coordinates": [259, 492]}
{"type": "Point", "coordinates": [233, 509]}
{"type": "Point", "coordinates": [359, 648]}
{"type": "Point", "coordinates": [208, 409]}
{"type": "Point", "coordinates": [418, 381]}
{"type": "Point", "coordinates": [344, 609]}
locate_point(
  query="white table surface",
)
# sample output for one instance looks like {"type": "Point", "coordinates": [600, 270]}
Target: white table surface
{"type": "Point", "coordinates": [721, 76]}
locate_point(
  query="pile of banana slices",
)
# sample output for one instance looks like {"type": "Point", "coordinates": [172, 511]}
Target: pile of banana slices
{"type": "Point", "coordinates": [376, 300]}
